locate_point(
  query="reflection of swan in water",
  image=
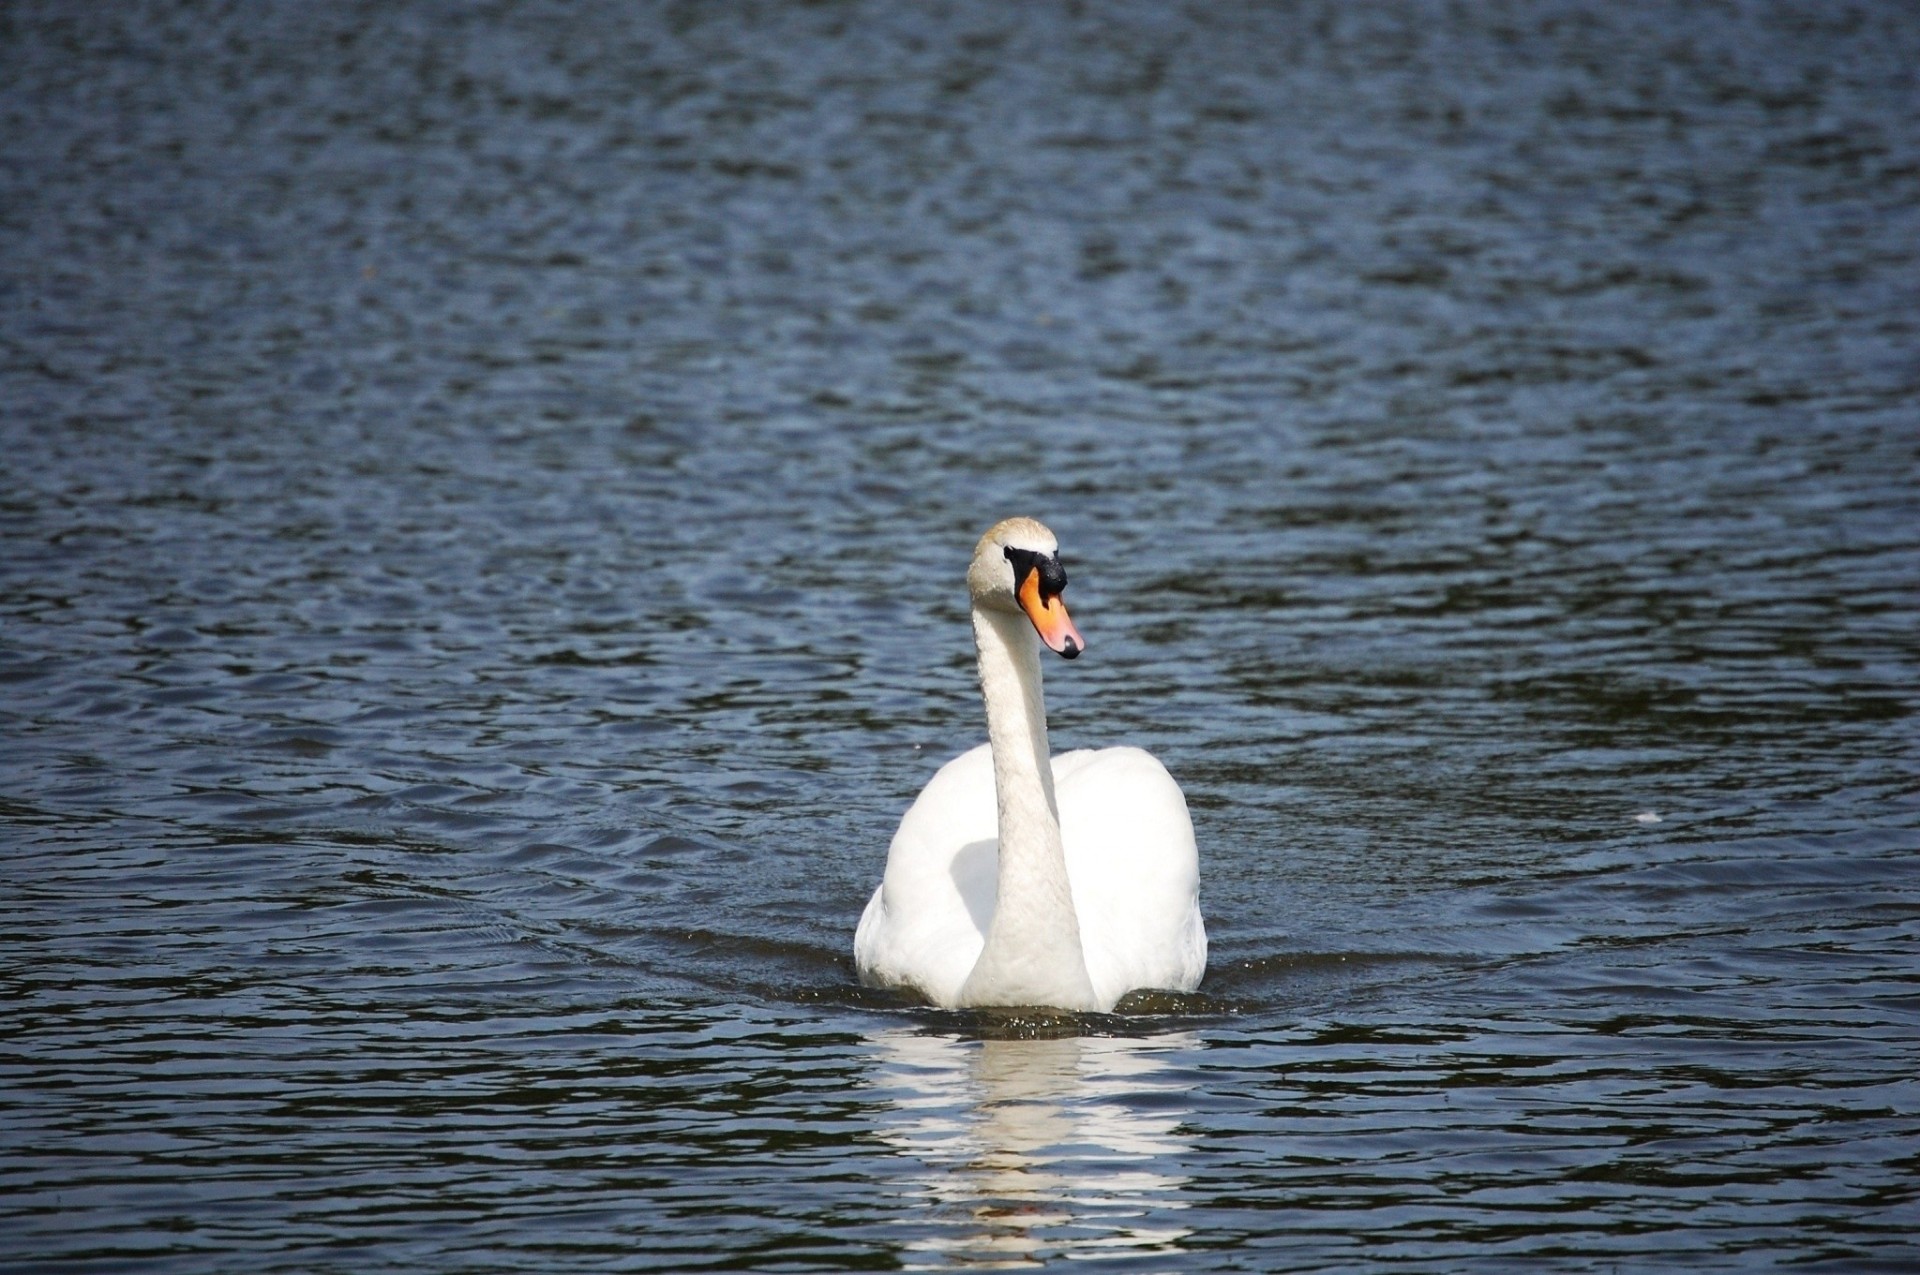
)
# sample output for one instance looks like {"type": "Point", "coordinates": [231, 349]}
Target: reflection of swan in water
{"type": "Point", "coordinates": [1037, 1148]}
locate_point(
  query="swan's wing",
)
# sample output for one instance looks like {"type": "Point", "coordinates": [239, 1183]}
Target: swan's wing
{"type": "Point", "coordinates": [1134, 868]}
{"type": "Point", "coordinates": [927, 921]}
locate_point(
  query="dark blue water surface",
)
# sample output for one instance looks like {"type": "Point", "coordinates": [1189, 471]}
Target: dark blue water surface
{"type": "Point", "coordinates": [485, 495]}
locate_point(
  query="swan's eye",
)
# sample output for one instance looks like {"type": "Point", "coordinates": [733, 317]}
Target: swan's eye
{"type": "Point", "coordinates": [1022, 560]}
{"type": "Point", "coordinates": [1053, 576]}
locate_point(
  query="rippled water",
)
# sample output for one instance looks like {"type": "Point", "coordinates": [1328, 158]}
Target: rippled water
{"type": "Point", "coordinates": [486, 490]}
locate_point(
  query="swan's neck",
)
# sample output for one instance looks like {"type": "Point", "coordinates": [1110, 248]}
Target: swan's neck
{"type": "Point", "coordinates": [1032, 954]}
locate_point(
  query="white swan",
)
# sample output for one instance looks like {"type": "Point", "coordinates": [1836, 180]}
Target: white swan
{"type": "Point", "coordinates": [1016, 882]}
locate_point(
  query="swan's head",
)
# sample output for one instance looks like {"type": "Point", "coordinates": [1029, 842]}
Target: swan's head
{"type": "Point", "coordinates": [1016, 567]}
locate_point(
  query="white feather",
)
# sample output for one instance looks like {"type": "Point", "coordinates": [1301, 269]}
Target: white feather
{"type": "Point", "coordinates": [1123, 832]}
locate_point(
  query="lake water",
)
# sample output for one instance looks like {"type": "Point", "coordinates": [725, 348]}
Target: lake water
{"type": "Point", "coordinates": [486, 492]}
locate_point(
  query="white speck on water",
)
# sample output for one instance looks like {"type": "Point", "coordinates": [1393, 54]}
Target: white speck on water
{"type": "Point", "coordinates": [1646, 816]}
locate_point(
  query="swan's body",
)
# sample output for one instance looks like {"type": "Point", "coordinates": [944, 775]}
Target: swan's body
{"type": "Point", "coordinates": [1019, 878]}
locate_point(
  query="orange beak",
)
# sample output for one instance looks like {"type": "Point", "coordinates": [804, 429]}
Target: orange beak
{"type": "Point", "coordinates": [1050, 618]}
